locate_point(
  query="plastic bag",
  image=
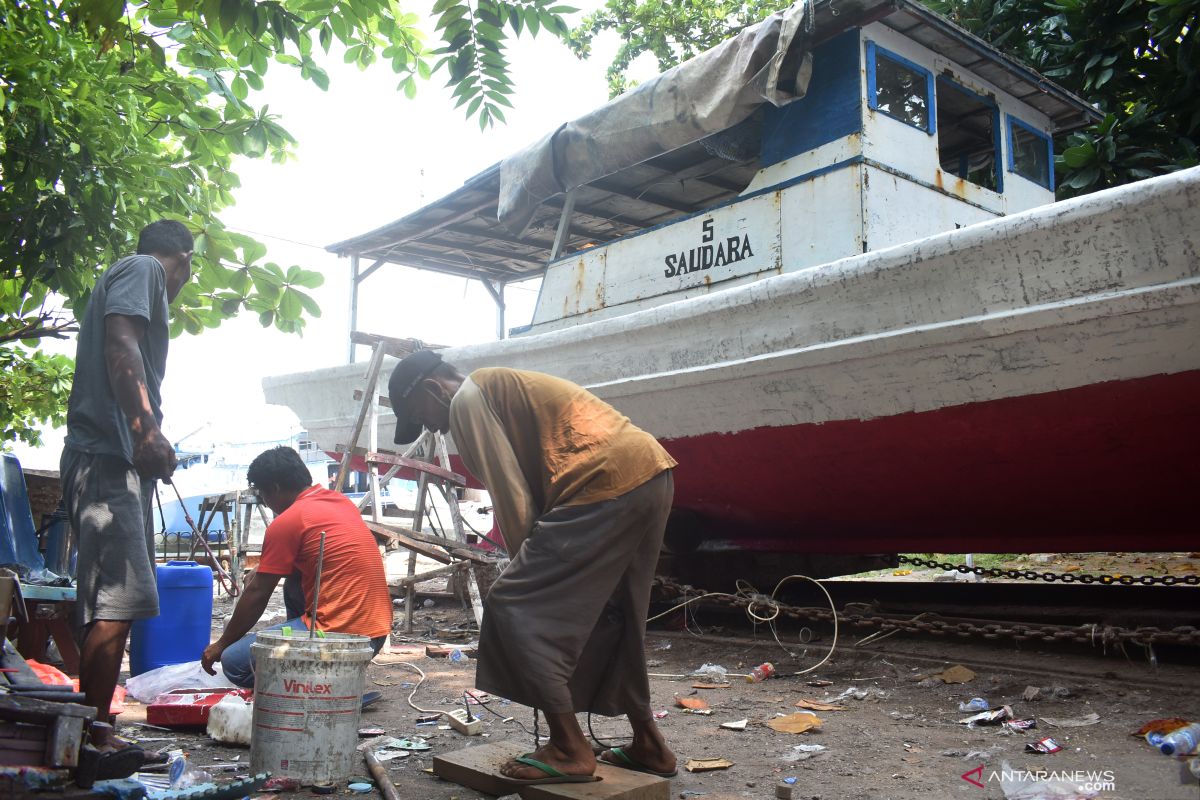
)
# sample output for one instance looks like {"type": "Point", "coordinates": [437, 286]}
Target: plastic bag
{"type": "Point", "coordinates": [230, 720]}
{"type": "Point", "coordinates": [149, 685]}
{"type": "Point", "coordinates": [713, 673]}
{"type": "Point", "coordinates": [182, 774]}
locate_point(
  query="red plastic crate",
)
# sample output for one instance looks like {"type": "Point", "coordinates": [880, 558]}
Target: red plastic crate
{"type": "Point", "coordinates": [188, 708]}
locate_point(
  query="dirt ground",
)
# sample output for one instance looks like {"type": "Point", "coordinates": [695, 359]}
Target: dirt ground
{"type": "Point", "coordinates": [902, 740]}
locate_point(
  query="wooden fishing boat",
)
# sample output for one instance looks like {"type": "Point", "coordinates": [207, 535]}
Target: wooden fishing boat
{"type": "Point", "coordinates": [857, 317]}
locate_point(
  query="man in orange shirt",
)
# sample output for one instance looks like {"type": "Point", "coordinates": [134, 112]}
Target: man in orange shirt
{"type": "Point", "coordinates": [354, 593]}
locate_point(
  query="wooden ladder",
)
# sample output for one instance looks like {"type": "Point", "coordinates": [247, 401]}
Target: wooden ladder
{"type": "Point", "coordinates": [427, 457]}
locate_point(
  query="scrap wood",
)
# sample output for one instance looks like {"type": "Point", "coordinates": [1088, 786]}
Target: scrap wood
{"type": "Point", "coordinates": [434, 547]}
{"type": "Point", "coordinates": [710, 685]}
{"type": "Point", "coordinates": [799, 722]}
{"type": "Point", "coordinates": [817, 705]}
{"type": "Point", "coordinates": [707, 764]}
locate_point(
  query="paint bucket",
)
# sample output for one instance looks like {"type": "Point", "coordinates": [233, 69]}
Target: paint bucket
{"type": "Point", "coordinates": [307, 702]}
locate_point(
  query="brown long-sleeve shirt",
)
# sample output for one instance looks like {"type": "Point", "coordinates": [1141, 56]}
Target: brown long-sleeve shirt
{"type": "Point", "coordinates": [537, 442]}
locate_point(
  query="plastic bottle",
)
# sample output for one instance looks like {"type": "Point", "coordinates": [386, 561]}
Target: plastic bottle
{"type": "Point", "coordinates": [761, 673]}
{"type": "Point", "coordinates": [1183, 741]}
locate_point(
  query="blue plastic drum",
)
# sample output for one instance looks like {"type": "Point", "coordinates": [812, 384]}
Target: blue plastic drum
{"type": "Point", "coordinates": [183, 626]}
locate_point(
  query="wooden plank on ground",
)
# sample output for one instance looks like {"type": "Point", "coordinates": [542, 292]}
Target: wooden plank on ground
{"type": "Point", "coordinates": [478, 768]}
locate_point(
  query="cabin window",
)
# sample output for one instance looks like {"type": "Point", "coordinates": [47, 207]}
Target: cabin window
{"type": "Point", "coordinates": [899, 88]}
{"type": "Point", "coordinates": [968, 132]}
{"type": "Point", "coordinates": [1030, 153]}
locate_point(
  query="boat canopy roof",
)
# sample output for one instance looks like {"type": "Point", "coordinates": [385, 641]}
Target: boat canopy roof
{"type": "Point", "coordinates": [640, 161]}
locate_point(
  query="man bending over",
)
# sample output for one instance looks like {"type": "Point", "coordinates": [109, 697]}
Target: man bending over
{"type": "Point", "coordinates": [582, 497]}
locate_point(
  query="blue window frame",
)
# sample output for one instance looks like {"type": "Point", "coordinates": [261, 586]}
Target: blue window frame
{"type": "Point", "coordinates": [900, 89]}
{"type": "Point", "coordinates": [1030, 153]}
{"type": "Point", "coordinates": [968, 131]}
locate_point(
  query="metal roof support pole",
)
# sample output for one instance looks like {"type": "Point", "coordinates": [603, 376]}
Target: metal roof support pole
{"type": "Point", "coordinates": [353, 303]}
{"type": "Point", "coordinates": [497, 293]}
{"type": "Point", "coordinates": [564, 224]}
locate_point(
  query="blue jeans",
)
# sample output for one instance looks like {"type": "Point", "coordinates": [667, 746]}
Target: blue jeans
{"type": "Point", "coordinates": [238, 664]}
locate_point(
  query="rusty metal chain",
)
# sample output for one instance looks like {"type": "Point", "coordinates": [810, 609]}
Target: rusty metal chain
{"type": "Point", "coordinates": [1051, 577]}
{"type": "Point", "coordinates": [938, 625]}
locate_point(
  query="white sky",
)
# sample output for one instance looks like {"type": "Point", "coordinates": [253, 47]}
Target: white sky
{"type": "Point", "coordinates": [366, 156]}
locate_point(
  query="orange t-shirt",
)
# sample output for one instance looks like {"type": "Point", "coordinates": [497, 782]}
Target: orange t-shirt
{"type": "Point", "coordinates": [354, 592]}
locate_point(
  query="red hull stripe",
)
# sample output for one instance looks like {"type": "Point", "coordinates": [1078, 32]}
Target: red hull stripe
{"type": "Point", "coordinates": [1111, 466]}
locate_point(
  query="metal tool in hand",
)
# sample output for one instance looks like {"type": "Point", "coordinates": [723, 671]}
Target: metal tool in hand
{"type": "Point", "coordinates": [312, 630]}
{"type": "Point", "coordinates": [224, 579]}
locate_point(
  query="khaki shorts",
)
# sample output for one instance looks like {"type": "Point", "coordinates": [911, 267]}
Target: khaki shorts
{"type": "Point", "coordinates": [108, 505]}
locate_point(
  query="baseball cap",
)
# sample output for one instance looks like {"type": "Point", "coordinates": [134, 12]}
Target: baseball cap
{"type": "Point", "coordinates": [406, 377]}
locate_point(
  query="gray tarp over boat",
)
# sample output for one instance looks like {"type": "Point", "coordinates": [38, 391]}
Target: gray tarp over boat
{"type": "Point", "coordinates": [770, 62]}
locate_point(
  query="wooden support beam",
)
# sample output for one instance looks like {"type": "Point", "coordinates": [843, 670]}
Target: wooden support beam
{"type": "Point", "coordinates": [417, 465]}
{"type": "Point", "coordinates": [420, 548]}
{"type": "Point", "coordinates": [366, 273]}
{"type": "Point", "coordinates": [389, 531]}
{"type": "Point", "coordinates": [386, 402]}
{"type": "Point", "coordinates": [399, 587]}
{"type": "Point", "coordinates": [397, 347]}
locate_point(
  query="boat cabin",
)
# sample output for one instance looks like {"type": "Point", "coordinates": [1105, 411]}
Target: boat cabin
{"type": "Point", "coordinates": [907, 127]}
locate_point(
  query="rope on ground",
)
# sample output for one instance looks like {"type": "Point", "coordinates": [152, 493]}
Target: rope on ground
{"type": "Point", "coordinates": [771, 610]}
{"type": "Point", "coordinates": [413, 693]}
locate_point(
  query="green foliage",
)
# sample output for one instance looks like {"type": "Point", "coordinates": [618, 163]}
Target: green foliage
{"type": "Point", "coordinates": [473, 45]}
{"type": "Point", "coordinates": [34, 391]}
{"type": "Point", "coordinates": [114, 113]}
{"type": "Point", "coordinates": [671, 30]}
{"type": "Point", "coordinates": [1136, 60]}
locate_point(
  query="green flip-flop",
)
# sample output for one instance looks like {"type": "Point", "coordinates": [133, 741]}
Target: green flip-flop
{"type": "Point", "coordinates": [552, 775]}
{"type": "Point", "coordinates": [627, 762]}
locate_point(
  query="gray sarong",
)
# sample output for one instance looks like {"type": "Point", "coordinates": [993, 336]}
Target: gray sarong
{"type": "Point", "coordinates": [564, 626]}
{"type": "Point", "coordinates": [109, 508]}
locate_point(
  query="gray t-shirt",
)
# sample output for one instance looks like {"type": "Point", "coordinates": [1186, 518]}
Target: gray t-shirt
{"type": "Point", "coordinates": [135, 286]}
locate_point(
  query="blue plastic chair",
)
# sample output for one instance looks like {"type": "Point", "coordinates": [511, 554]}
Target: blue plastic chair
{"type": "Point", "coordinates": [18, 534]}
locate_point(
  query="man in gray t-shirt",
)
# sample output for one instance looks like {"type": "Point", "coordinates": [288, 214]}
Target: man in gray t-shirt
{"type": "Point", "coordinates": [115, 450]}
